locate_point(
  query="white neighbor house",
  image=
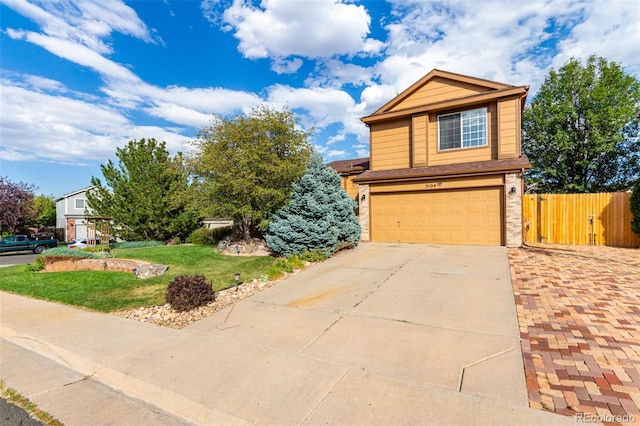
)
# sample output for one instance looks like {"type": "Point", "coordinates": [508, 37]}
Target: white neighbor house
{"type": "Point", "coordinates": [71, 210]}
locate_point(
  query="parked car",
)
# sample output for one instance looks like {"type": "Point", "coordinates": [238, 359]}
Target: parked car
{"type": "Point", "coordinates": [22, 242]}
{"type": "Point", "coordinates": [81, 243]}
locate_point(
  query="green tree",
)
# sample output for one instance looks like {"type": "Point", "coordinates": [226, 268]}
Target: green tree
{"type": "Point", "coordinates": [635, 208]}
{"type": "Point", "coordinates": [244, 166]}
{"type": "Point", "coordinates": [45, 211]}
{"type": "Point", "coordinates": [320, 215]}
{"type": "Point", "coordinates": [144, 193]}
{"type": "Point", "coordinates": [581, 131]}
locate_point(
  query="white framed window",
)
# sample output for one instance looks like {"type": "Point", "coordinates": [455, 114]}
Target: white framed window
{"type": "Point", "coordinates": [465, 129]}
{"type": "Point", "coordinates": [80, 203]}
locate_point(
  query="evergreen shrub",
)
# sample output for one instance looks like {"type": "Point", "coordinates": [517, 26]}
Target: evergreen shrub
{"type": "Point", "coordinates": [319, 216]}
{"type": "Point", "coordinates": [209, 237]}
{"type": "Point", "coordinates": [187, 292]}
{"type": "Point", "coordinates": [635, 208]}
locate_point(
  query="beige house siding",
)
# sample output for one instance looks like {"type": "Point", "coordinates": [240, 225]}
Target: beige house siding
{"type": "Point", "coordinates": [509, 128]}
{"type": "Point", "coordinates": [390, 145]}
{"type": "Point", "coordinates": [350, 187]}
{"type": "Point", "coordinates": [439, 89]}
{"type": "Point", "coordinates": [419, 139]}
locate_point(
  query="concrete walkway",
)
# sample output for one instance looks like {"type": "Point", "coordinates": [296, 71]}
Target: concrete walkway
{"type": "Point", "coordinates": [383, 334]}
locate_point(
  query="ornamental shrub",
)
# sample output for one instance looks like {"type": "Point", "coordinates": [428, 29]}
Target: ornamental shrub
{"type": "Point", "coordinates": [136, 244]}
{"type": "Point", "coordinates": [187, 292]}
{"type": "Point", "coordinates": [63, 252]}
{"type": "Point", "coordinates": [319, 216]}
{"type": "Point", "coordinates": [208, 236]}
{"type": "Point", "coordinates": [36, 265]}
{"type": "Point", "coordinates": [635, 207]}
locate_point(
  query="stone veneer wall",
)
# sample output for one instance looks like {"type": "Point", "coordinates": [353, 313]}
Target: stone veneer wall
{"type": "Point", "coordinates": [363, 199]}
{"type": "Point", "coordinates": [513, 209]}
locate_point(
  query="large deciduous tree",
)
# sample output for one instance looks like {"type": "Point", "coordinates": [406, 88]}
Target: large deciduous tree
{"type": "Point", "coordinates": [16, 205]}
{"type": "Point", "coordinates": [581, 131]}
{"type": "Point", "coordinates": [244, 166]}
{"type": "Point", "coordinates": [143, 194]}
{"type": "Point", "coordinates": [320, 216]}
{"type": "Point", "coordinates": [44, 208]}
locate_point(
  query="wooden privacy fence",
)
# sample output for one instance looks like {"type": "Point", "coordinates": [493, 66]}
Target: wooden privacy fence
{"type": "Point", "coordinates": [581, 219]}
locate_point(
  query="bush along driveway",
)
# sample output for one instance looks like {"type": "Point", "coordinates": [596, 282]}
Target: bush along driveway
{"type": "Point", "coordinates": [579, 315]}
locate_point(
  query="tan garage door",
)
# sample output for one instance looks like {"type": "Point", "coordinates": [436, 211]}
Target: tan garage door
{"type": "Point", "coordinates": [470, 216]}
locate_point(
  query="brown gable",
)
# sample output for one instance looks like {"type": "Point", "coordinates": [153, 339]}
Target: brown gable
{"type": "Point", "coordinates": [475, 167]}
{"type": "Point", "coordinates": [356, 165]}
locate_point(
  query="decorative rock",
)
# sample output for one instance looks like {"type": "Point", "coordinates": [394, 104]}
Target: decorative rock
{"type": "Point", "coordinates": [166, 316]}
{"type": "Point", "coordinates": [148, 271]}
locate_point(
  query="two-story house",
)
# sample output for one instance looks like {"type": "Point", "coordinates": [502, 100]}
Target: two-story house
{"type": "Point", "coordinates": [71, 210]}
{"type": "Point", "coordinates": [446, 164]}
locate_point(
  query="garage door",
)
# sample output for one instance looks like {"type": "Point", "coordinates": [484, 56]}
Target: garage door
{"type": "Point", "coordinates": [81, 230]}
{"type": "Point", "coordinates": [470, 216]}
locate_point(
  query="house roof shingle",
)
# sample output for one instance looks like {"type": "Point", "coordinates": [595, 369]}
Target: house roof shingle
{"type": "Point", "coordinates": [474, 167]}
{"type": "Point", "coordinates": [352, 165]}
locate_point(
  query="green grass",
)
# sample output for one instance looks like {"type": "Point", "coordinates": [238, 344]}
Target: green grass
{"type": "Point", "coordinates": [108, 291]}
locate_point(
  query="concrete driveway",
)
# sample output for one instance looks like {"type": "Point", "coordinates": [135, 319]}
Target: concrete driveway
{"type": "Point", "coordinates": [383, 334]}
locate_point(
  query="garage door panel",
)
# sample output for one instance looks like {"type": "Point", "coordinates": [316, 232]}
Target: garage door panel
{"type": "Point", "coordinates": [470, 216]}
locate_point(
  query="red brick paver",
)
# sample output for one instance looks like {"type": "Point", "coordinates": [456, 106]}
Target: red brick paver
{"type": "Point", "coordinates": [579, 314]}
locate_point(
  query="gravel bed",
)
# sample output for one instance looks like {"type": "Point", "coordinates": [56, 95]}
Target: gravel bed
{"type": "Point", "coordinates": [166, 316]}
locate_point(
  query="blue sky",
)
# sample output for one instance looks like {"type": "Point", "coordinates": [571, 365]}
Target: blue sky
{"type": "Point", "coordinates": [81, 78]}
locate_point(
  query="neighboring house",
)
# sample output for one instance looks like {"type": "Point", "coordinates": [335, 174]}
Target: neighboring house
{"type": "Point", "coordinates": [445, 164]}
{"type": "Point", "coordinates": [70, 214]}
{"type": "Point", "coordinates": [348, 170]}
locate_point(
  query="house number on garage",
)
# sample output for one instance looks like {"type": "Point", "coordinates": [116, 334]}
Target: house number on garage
{"type": "Point", "coordinates": [432, 185]}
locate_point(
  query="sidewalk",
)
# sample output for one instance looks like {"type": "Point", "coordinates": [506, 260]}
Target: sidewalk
{"type": "Point", "coordinates": [384, 334]}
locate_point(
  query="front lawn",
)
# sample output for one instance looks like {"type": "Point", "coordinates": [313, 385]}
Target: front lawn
{"type": "Point", "coordinates": [109, 291]}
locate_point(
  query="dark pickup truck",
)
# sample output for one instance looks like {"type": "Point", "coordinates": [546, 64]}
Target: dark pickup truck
{"type": "Point", "coordinates": [21, 243]}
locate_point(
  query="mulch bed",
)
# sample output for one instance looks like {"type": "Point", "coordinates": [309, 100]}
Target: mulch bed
{"type": "Point", "coordinates": [579, 315]}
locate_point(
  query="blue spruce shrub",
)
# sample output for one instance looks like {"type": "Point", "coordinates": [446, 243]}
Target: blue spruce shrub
{"type": "Point", "coordinates": [319, 216]}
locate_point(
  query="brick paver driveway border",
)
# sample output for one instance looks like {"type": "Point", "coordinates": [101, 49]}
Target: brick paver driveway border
{"type": "Point", "coordinates": [579, 315]}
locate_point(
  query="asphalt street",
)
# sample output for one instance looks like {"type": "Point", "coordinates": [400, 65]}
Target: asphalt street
{"type": "Point", "coordinates": [16, 258]}
{"type": "Point", "coordinates": [12, 415]}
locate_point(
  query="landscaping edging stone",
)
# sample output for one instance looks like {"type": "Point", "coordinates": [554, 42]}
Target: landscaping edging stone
{"type": "Point", "coordinates": [139, 268]}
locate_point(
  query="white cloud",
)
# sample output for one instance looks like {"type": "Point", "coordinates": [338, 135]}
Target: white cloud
{"type": "Point", "coordinates": [286, 66]}
{"type": "Point", "coordinates": [76, 53]}
{"type": "Point", "coordinates": [612, 30]}
{"type": "Point", "coordinates": [85, 22]}
{"type": "Point", "coordinates": [324, 106]}
{"type": "Point", "coordinates": [498, 41]}
{"type": "Point", "coordinates": [281, 28]}
{"type": "Point", "coordinates": [63, 129]}
{"type": "Point", "coordinates": [337, 74]}
{"type": "Point", "coordinates": [332, 153]}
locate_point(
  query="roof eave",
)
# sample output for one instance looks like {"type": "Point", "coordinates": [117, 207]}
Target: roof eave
{"type": "Point", "coordinates": [448, 173]}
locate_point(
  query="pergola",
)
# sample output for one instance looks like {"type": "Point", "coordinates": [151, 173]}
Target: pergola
{"type": "Point", "coordinates": [98, 226]}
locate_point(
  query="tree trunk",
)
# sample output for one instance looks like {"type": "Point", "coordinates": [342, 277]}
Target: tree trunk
{"type": "Point", "coordinates": [246, 228]}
